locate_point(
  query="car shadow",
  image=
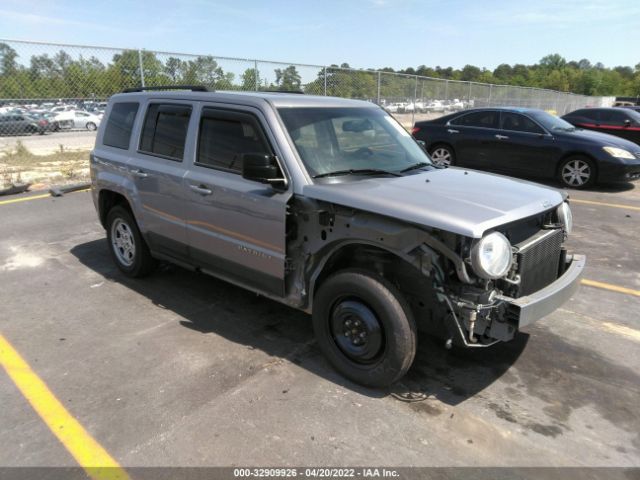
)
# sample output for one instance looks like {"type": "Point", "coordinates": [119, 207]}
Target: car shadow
{"type": "Point", "coordinates": [207, 305]}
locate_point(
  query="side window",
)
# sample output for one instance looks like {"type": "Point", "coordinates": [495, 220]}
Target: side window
{"type": "Point", "coordinates": [118, 131]}
{"type": "Point", "coordinates": [225, 136]}
{"type": "Point", "coordinates": [485, 119]}
{"type": "Point", "coordinates": [612, 117]}
{"type": "Point", "coordinates": [165, 130]}
{"type": "Point", "coordinates": [518, 123]}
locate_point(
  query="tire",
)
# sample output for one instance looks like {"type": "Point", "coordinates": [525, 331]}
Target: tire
{"type": "Point", "coordinates": [91, 126]}
{"type": "Point", "coordinates": [128, 249]}
{"type": "Point", "coordinates": [577, 172]}
{"type": "Point", "coordinates": [443, 155]}
{"type": "Point", "coordinates": [387, 349]}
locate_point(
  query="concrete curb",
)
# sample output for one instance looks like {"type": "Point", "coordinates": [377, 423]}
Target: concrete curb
{"type": "Point", "coordinates": [58, 191]}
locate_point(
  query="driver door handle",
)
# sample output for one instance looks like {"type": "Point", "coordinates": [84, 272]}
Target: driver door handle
{"type": "Point", "coordinates": [502, 137]}
{"type": "Point", "coordinates": [201, 189]}
{"type": "Point", "coordinates": [453, 131]}
{"type": "Point", "coordinates": [140, 173]}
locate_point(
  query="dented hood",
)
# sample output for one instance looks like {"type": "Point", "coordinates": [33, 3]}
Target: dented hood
{"type": "Point", "coordinates": [466, 202]}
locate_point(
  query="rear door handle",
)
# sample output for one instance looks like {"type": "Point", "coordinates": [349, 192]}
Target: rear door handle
{"type": "Point", "coordinates": [502, 137]}
{"type": "Point", "coordinates": [140, 173]}
{"type": "Point", "coordinates": [201, 189]}
{"type": "Point", "coordinates": [453, 131]}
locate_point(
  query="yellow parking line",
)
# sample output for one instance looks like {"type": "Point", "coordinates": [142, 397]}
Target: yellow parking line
{"type": "Point", "coordinates": [614, 205]}
{"type": "Point", "coordinates": [94, 459]}
{"type": "Point", "coordinates": [34, 197]}
{"type": "Point", "coordinates": [24, 199]}
{"type": "Point", "coordinates": [609, 286]}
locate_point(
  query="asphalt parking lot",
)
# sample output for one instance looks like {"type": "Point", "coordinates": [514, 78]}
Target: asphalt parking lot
{"type": "Point", "coordinates": [181, 369]}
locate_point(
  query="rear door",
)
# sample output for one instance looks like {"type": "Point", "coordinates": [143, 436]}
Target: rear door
{"type": "Point", "coordinates": [157, 170]}
{"type": "Point", "coordinates": [473, 136]}
{"type": "Point", "coordinates": [525, 147]}
{"type": "Point", "coordinates": [235, 227]}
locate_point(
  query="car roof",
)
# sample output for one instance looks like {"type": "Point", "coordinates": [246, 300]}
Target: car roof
{"type": "Point", "coordinates": [276, 99]}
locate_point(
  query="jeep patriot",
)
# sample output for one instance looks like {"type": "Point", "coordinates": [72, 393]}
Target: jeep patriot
{"type": "Point", "coordinates": [329, 206]}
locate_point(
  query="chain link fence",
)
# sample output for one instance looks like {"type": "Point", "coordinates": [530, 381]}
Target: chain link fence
{"type": "Point", "coordinates": [52, 96]}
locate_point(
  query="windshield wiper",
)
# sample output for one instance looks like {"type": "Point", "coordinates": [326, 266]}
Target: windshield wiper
{"type": "Point", "coordinates": [358, 171]}
{"type": "Point", "coordinates": [415, 166]}
{"type": "Point", "coordinates": [565, 129]}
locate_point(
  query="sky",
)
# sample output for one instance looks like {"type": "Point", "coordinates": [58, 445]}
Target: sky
{"type": "Point", "coordinates": [362, 33]}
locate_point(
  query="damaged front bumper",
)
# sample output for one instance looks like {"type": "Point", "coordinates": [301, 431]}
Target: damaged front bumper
{"type": "Point", "coordinates": [484, 325]}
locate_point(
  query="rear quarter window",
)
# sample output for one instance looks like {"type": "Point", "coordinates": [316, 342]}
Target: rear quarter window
{"type": "Point", "coordinates": [119, 125]}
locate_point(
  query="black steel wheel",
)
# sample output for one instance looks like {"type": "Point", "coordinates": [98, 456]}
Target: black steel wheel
{"type": "Point", "coordinates": [364, 327]}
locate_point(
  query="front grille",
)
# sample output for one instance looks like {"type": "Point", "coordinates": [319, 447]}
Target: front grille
{"type": "Point", "coordinates": [538, 260]}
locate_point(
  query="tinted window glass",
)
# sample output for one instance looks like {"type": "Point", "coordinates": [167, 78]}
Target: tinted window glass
{"type": "Point", "coordinates": [613, 117]}
{"type": "Point", "coordinates": [118, 130]}
{"type": "Point", "coordinates": [165, 130]}
{"type": "Point", "coordinates": [224, 138]}
{"type": "Point", "coordinates": [487, 119]}
{"type": "Point", "coordinates": [518, 123]}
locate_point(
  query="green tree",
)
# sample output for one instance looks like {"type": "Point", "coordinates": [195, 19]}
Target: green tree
{"type": "Point", "coordinates": [288, 78]}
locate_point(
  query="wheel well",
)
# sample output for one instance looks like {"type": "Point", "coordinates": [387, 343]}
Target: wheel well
{"type": "Point", "coordinates": [416, 286]}
{"type": "Point", "coordinates": [108, 199]}
{"type": "Point", "coordinates": [569, 155]}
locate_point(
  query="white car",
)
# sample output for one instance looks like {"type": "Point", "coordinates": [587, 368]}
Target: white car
{"type": "Point", "coordinates": [78, 119]}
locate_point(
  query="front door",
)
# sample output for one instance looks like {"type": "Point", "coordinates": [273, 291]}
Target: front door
{"type": "Point", "coordinates": [235, 227]}
{"type": "Point", "coordinates": [525, 147]}
{"type": "Point", "coordinates": [474, 138]}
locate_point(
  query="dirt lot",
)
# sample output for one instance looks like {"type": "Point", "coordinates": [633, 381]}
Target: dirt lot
{"type": "Point", "coordinates": [180, 369]}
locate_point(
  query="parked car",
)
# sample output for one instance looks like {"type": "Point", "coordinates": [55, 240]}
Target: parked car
{"type": "Point", "coordinates": [20, 124]}
{"type": "Point", "coordinates": [78, 119]}
{"type": "Point", "coordinates": [621, 122]}
{"type": "Point", "coordinates": [52, 124]}
{"type": "Point", "coordinates": [329, 206]}
{"type": "Point", "coordinates": [528, 142]}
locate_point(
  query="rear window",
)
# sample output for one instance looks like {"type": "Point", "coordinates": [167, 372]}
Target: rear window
{"type": "Point", "coordinates": [118, 130]}
{"type": "Point", "coordinates": [165, 130]}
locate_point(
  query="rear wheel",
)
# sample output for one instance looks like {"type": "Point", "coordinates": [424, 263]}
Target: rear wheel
{"type": "Point", "coordinates": [577, 172]}
{"type": "Point", "coordinates": [442, 155]}
{"type": "Point", "coordinates": [128, 249]}
{"type": "Point", "coordinates": [91, 126]}
{"type": "Point", "coordinates": [364, 327]}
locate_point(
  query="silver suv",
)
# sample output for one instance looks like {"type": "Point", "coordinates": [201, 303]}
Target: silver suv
{"type": "Point", "coordinates": [328, 205]}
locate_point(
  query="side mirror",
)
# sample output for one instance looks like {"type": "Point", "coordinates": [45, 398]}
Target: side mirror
{"type": "Point", "coordinates": [422, 144]}
{"type": "Point", "coordinates": [262, 168]}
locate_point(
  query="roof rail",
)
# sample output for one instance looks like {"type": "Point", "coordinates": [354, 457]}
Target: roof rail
{"type": "Point", "coordinates": [193, 88]}
{"type": "Point", "coordinates": [300, 92]}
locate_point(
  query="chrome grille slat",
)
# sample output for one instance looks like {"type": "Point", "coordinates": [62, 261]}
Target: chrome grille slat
{"type": "Point", "coordinates": [538, 261]}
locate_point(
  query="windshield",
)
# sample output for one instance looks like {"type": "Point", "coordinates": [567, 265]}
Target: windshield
{"type": "Point", "coordinates": [351, 140]}
{"type": "Point", "coordinates": [551, 122]}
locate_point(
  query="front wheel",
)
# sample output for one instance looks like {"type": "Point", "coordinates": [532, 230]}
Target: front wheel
{"type": "Point", "coordinates": [442, 155]}
{"type": "Point", "coordinates": [577, 172]}
{"type": "Point", "coordinates": [128, 249]}
{"type": "Point", "coordinates": [364, 327]}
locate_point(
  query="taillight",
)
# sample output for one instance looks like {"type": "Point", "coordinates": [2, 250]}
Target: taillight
{"type": "Point", "coordinates": [415, 130]}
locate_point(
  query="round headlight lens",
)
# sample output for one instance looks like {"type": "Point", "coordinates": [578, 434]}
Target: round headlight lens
{"type": "Point", "coordinates": [565, 217]}
{"type": "Point", "coordinates": [491, 257]}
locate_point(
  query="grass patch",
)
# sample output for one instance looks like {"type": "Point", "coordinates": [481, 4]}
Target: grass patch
{"type": "Point", "coordinates": [18, 164]}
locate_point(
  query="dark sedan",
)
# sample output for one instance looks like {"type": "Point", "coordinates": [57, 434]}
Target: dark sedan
{"type": "Point", "coordinates": [621, 122]}
{"type": "Point", "coordinates": [528, 142]}
{"type": "Point", "coordinates": [20, 124]}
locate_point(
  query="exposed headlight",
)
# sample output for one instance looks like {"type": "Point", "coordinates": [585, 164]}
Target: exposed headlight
{"type": "Point", "coordinates": [619, 153]}
{"type": "Point", "coordinates": [565, 217]}
{"type": "Point", "coordinates": [491, 257]}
